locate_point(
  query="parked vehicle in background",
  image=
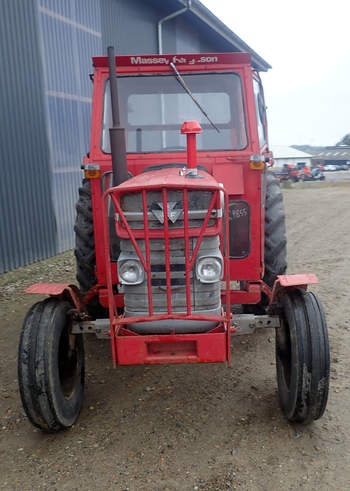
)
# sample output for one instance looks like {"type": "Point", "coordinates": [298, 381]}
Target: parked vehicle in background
{"type": "Point", "coordinates": [288, 173]}
{"type": "Point", "coordinates": [330, 168]}
{"type": "Point", "coordinates": [343, 166]}
{"type": "Point", "coordinates": [314, 174]}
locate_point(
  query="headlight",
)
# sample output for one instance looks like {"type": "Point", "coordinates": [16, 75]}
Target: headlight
{"type": "Point", "coordinates": [130, 272]}
{"type": "Point", "coordinates": [209, 269]}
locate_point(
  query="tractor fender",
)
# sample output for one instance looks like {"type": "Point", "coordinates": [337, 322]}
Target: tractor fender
{"type": "Point", "coordinates": [287, 282]}
{"type": "Point", "coordinates": [59, 290]}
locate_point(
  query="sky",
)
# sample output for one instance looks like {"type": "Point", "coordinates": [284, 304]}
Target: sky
{"type": "Point", "coordinates": [307, 42]}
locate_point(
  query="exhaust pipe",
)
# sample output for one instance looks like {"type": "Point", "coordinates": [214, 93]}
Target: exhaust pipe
{"type": "Point", "coordinates": [116, 133]}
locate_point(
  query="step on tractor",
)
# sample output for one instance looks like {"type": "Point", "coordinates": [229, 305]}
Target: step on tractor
{"type": "Point", "coordinates": [180, 239]}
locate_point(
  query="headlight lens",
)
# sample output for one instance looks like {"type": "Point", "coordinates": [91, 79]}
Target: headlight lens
{"type": "Point", "coordinates": [209, 269]}
{"type": "Point", "coordinates": [130, 272]}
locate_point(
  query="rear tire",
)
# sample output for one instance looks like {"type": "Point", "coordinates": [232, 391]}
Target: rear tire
{"type": "Point", "coordinates": [275, 232]}
{"type": "Point", "coordinates": [84, 239]}
{"type": "Point", "coordinates": [85, 249]}
{"type": "Point", "coordinates": [302, 357]}
{"type": "Point", "coordinates": [50, 366]}
{"type": "Point", "coordinates": [275, 252]}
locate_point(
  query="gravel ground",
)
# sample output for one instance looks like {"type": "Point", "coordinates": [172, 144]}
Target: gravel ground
{"type": "Point", "coordinates": [339, 175]}
{"type": "Point", "coordinates": [204, 427]}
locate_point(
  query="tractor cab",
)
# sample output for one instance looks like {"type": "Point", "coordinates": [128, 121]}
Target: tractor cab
{"type": "Point", "coordinates": [224, 95]}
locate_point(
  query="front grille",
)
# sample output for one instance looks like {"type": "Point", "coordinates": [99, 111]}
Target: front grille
{"type": "Point", "coordinates": [198, 204]}
{"type": "Point", "coordinates": [203, 296]}
{"type": "Point", "coordinates": [177, 274]}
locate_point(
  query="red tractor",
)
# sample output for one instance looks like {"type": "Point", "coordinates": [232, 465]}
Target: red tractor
{"type": "Point", "coordinates": [180, 239]}
{"type": "Point", "coordinates": [288, 173]}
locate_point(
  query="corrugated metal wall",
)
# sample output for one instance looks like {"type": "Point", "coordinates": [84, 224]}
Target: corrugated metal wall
{"type": "Point", "coordinates": [130, 25]}
{"type": "Point", "coordinates": [70, 35]}
{"type": "Point", "coordinates": [28, 226]}
{"type": "Point", "coordinates": [45, 92]}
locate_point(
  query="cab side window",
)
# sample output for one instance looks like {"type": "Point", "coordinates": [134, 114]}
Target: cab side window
{"type": "Point", "coordinates": [260, 113]}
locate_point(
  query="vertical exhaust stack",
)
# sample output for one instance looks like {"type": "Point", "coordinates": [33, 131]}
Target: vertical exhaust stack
{"type": "Point", "coordinates": [190, 129]}
{"type": "Point", "coordinates": [116, 133]}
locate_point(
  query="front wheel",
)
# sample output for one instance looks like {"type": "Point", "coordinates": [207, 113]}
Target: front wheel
{"type": "Point", "coordinates": [302, 357]}
{"type": "Point", "coordinates": [50, 366]}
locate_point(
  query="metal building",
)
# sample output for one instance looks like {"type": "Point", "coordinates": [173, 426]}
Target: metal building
{"type": "Point", "coordinates": [338, 155]}
{"type": "Point", "coordinates": [45, 97]}
{"type": "Point", "coordinates": [283, 155]}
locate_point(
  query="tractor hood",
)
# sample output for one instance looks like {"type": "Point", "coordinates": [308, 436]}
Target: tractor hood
{"type": "Point", "coordinates": [168, 177]}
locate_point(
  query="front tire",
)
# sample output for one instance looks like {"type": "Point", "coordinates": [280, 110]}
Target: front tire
{"type": "Point", "coordinates": [302, 357]}
{"type": "Point", "coordinates": [50, 366]}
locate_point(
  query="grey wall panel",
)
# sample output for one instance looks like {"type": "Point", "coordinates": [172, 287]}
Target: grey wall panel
{"type": "Point", "coordinates": [28, 228]}
{"type": "Point", "coordinates": [187, 34]}
{"type": "Point", "coordinates": [192, 35]}
{"type": "Point", "coordinates": [70, 36]}
{"type": "Point", "coordinates": [131, 25]}
{"type": "Point", "coordinates": [187, 39]}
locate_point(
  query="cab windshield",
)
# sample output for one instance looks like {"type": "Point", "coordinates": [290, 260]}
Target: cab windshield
{"type": "Point", "coordinates": [153, 108]}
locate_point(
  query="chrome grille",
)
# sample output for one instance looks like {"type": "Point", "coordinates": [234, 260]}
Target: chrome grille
{"type": "Point", "coordinates": [203, 296]}
{"type": "Point", "coordinates": [198, 203]}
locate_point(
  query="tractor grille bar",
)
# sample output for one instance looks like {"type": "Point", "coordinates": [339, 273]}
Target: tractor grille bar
{"type": "Point", "coordinates": [166, 244]}
{"type": "Point", "coordinates": [148, 258]}
{"type": "Point", "coordinates": [171, 282]}
{"type": "Point", "coordinates": [186, 223]}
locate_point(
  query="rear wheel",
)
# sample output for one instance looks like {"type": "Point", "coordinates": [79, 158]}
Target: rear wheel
{"type": "Point", "coordinates": [275, 250]}
{"type": "Point", "coordinates": [302, 357]}
{"type": "Point", "coordinates": [84, 239]}
{"type": "Point", "coordinates": [275, 232]}
{"type": "Point", "coordinates": [85, 248]}
{"type": "Point", "coordinates": [50, 366]}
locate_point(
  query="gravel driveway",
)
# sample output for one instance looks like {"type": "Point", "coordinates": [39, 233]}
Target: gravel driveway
{"type": "Point", "coordinates": [204, 427]}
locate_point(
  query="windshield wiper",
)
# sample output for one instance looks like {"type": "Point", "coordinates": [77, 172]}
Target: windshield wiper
{"type": "Point", "coordinates": [183, 84]}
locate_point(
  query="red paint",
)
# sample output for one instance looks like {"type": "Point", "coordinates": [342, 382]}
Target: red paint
{"type": "Point", "coordinates": [148, 253]}
{"type": "Point", "coordinates": [252, 294]}
{"type": "Point", "coordinates": [47, 288]}
{"type": "Point", "coordinates": [234, 185]}
{"type": "Point", "coordinates": [160, 63]}
{"type": "Point", "coordinates": [180, 348]}
{"type": "Point", "coordinates": [60, 290]}
{"type": "Point", "coordinates": [190, 129]}
{"type": "Point", "coordinates": [297, 279]}
{"type": "Point", "coordinates": [291, 281]}
{"type": "Point", "coordinates": [187, 253]}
